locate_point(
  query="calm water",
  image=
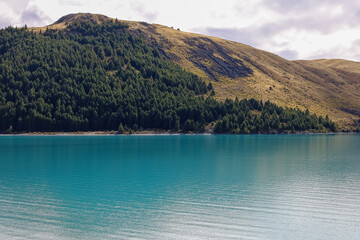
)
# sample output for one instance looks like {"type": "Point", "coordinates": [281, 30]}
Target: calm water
{"type": "Point", "coordinates": [180, 187]}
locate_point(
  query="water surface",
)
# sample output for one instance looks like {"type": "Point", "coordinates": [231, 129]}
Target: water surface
{"type": "Point", "coordinates": [180, 187]}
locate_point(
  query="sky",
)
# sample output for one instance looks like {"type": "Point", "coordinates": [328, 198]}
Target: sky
{"type": "Point", "coordinates": [293, 29]}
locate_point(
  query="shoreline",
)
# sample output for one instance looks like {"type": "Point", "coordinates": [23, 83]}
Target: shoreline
{"type": "Point", "coordinates": [91, 133]}
{"type": "Point", "coordinates": [157, 133]}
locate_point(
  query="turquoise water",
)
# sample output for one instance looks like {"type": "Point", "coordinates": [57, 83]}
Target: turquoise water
{"type": "Point", "coordinates": [180, 187]}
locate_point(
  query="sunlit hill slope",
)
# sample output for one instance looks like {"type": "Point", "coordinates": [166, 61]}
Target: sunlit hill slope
{"type": "Point", "coordinates": [325, 87]}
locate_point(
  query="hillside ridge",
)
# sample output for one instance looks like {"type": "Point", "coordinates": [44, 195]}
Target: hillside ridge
{"type": "Point", "coordinates": [325, 87]}
{"type": "Point", "coordinates": [98, 18]}
{"type": "Point", "coordinates": [103, 77]}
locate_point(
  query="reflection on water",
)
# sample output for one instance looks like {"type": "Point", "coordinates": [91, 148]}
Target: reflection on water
{"type": "Point", "coordinates": [180, 187]}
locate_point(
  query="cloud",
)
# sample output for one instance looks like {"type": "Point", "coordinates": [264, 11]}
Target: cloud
{"type": "Point", "coordinates": [289, 54]}
{"type": "Point", "coordinates": [288, 5]}
{"type": "Point", "coordinates": [33, 16]}
{"type": "Point", "coordinates": [21, 12]}
{"type": "Point", "coordinates": [356, 43]}
{"type": "Point", "coordinates": [295, 28]}
{"type": "Point", "coordinates": [321, 15]}
{"type": "Point", "coordinates": [6, 15]}
{"type": "Point", "coordinates": [73, 2]}
{"type": "Point", "coordinates": [139, 8]}
{"type": "Point", "coordinates": [246, 35]}
{"type": "Point", "coordinates": [8, 12]}
{"type": "Point", "coordinates": [349, 52]}
{"type": "Point", "coordinates": [17, 5]}
{"type": "Point", "coordinates": [4, 21]}
{"type": "Point", "coordinates": [253, 37]}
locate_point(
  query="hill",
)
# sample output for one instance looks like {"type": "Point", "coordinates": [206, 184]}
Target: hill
{"type": "Point", "coordinates": [89, 72]}
{"type": "Point", "coordinates": [237, 70]}
{"type": "Point", "coordinates": [325, 87]}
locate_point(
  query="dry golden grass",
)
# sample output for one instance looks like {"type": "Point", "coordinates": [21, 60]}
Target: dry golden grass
{"type": "Point", "coordinates": [325, 87]}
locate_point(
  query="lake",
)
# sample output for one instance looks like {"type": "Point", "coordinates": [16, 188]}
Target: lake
{"type": "Point", "coordinates": [180, 187]}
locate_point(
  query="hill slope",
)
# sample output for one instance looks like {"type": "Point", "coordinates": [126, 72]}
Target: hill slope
{"type": "Point", "coordinates": [238, 70]}
{"type": "Point", "coordinates": [97, 74]}
{"type": "Point", "coordinates": [325, 87]}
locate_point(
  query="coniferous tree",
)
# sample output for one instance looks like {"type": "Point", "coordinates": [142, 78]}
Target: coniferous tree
{"type": "Point", "coordinates": [121, 129]}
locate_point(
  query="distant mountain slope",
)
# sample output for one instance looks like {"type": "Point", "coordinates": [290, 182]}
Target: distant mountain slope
{"type": "Point", "coordinates": [237, 70]}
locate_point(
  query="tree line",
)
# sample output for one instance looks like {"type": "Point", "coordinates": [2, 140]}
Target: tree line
{"type": "Point", "coordinates": [92, 77]}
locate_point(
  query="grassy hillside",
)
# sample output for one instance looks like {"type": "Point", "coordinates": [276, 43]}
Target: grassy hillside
{"type": "Point", "coordinates": [325, 87]}
{"type": "Point", "coordinates": [98, 74]}
{"type": "Point", "coordinates": [238, 70]}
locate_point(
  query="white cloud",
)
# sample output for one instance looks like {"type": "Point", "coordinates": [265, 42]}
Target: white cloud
{"type": "Point", "coordinates": [292, 28]}
{"type": "Point", "coordinates": [21, 12]}
{"type": "Point", "coordinates": [33, 16]}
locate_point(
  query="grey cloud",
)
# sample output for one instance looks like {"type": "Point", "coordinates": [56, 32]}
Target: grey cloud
{"type": "Point", "coordinates": [73, 2]}
{"type": "Point", "coordinates": [33, 16]}
{"type": "Point", "coordinates": [217, 15]}
{"type": "Point", "coordinates": [256, 35]}
{"type": "Point", "coordinates": [322, 22]}
{"type": "Point", "coordinates": [23, 12]}
{"type": "Point", "coordinates": [17, 5]}
{"type": "Point", "coordinates": [249, 36]}
{"type": "Point", "coordinates": [354, 18]}
{"type": "Point", "coordinates": [292, 18]}
{"type": "Point", "coordinates": [356, 43]}
{"type": "Point", "coordinates": [307, 5]}
{"type": "Point", "coordinates": [288, 5]}
{"type": "Point", "coordinates": [245, 35]}
{"type": "Point", "coordinates": [289, 54]}
{"type": "Point", "coordinates": [13, 9]}
{"type": "Point", "coordinates": [352, 52]}
{"type": "Point", "coordinates": [139, 8]}
{"type": "Point", "coordinates": [330, 53]}
{"type": "Point", "coordinates": [4, 22]}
